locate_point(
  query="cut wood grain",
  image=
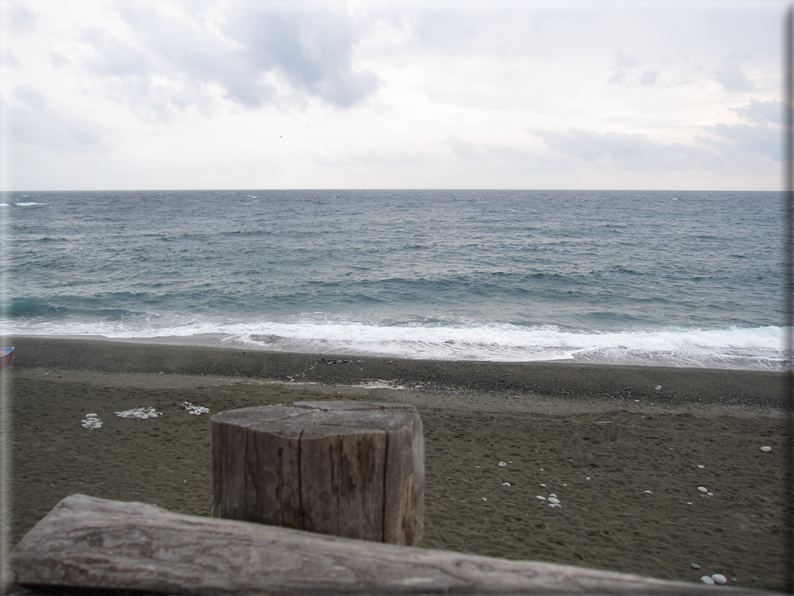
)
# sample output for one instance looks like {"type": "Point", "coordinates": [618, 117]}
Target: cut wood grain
{"type": "Point", "coordinates": [351, 469]}
{"type": "Point", "coordinates": [92, 543]}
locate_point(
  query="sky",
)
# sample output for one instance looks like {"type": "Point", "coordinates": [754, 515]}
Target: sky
{"type": "Point", "coordinates": [259, 94]}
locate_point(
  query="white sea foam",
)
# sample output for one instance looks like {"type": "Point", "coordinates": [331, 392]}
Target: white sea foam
{"type": "Point", "coordinates": [31, 204]}
{"type": "Point", "coordinates": [742, 348]}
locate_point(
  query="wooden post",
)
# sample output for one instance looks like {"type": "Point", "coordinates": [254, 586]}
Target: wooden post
{"type": "Point", "coordinates": [350, 469]}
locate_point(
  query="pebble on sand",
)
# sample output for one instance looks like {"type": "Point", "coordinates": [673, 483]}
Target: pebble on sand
{"type": "Point", "coordinates": [707, 580]}
{"type": "Point", "coordinates": [703, 489]}
{"type": "Point", "coordinates": [719, 579]}
{"type": "Point", "coordinates": [766, 448]}
{"type": "Point", "coordinates": [195, 410]}
{"type": "Point", "coordinates": [91, 422]}
{"type": "Point", "coordinates": [142, 413]}
{"type": "Point", "coordinates": [695, 566]}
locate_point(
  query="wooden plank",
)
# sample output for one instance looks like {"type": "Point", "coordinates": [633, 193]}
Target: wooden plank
{"type": "Point", "coordinates": [93, 543]}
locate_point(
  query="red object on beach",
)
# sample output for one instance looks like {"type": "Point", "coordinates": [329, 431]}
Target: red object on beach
{"type": "Point", "coordinates": [5, 356]}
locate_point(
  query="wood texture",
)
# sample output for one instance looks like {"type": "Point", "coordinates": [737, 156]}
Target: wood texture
{"type": "Point", "coordinates": [92, 543]}
{"type": "Point", "coordinates": [351, 469]}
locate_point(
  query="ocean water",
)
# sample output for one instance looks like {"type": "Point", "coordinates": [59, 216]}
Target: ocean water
{"type": "Point", "coordinates": [651, 278]}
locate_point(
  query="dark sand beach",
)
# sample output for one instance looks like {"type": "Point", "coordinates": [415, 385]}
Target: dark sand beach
{"type": "Point", "coordinates": [622, 457]}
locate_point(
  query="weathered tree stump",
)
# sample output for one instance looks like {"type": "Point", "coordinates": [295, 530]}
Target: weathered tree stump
{"type": "Point", "coordinates": [350, 469]}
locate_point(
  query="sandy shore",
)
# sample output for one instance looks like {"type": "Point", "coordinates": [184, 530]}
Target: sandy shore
{"type": "Point", "coordinates": [623, 457]}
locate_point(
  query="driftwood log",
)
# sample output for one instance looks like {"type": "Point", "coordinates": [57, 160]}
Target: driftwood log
{"type": "Point", "coordinates": [350, 469]}
{"type": "Point", "coordinates": [91, 543]}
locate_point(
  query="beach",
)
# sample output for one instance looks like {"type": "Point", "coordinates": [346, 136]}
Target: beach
{"type": "Point", "coordinates": [623, 448]}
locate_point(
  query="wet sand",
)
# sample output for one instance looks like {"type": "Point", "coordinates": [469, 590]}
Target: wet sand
{"type": "Point", "coordinates": [598, 437]}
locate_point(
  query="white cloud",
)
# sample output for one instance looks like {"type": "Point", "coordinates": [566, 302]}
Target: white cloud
{"type": "Point", "coordinates": [762, 111]}
{"type": "Point", "coordinates": [34, 121]}
{"type": "Point", "coordinates": [732, 78]}
{"type": "Point", "coordinates": [172, 56]}
{"type": "Point", "coordinates": [180, 93]}
{"type": "Point", "coordinates": [633, 151]}
{"type": "Point", "coordinates": [620, 69]}
{"type": "Point", "coordinates": [765, 140]}
{"type": "Point", "coordinates": [509, 157]}
{"type": "Point", "coordinates": [20, 19]}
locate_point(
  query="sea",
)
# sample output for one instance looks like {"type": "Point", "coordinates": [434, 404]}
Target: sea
{"type": "Point", "coordinates": [651, 278]}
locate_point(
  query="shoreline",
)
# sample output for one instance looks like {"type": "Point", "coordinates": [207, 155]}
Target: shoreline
{"type": "Point", "coordinates": [569, 380]}
{"type": "Point", "coordinates": [626, 464]}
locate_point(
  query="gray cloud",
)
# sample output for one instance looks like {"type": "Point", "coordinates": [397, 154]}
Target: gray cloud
{"type": "Point", "coordinates": [732, 78]}
{"type": "Point", "coordinates": [625, 72]}
{"type": "Point", "coordinates": [7, 58]}
{"type": "Point", "coordinates": [509, 157]}
{"type": "Point", "coordinates": [762, 111]}
{"type": "Point", "coordinates": [175, 61]}
{"type": "Point", "coordinates": [649, 77]}
{"type": "Point", "coordinates": [755, 139]}
{"type": "Point", "coordinates": [763, 136]}
{"type": "Point", "coordinates": [620, 69]}
{"type": "Point", "coordinates": [21, 20]}
{"type": "Point", "coordinates": [34, 122]}
{"type": "Point", "coordinates": [311, 49]}
{"type": "Point", "coordinates": [631, 151]}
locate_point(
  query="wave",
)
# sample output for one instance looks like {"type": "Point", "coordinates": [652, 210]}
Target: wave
{"type": "Point", "coordinates": [734, 347]}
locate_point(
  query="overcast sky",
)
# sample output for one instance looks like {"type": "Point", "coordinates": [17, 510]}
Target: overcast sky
{"type": "Point", "coordinates": [226, 94]}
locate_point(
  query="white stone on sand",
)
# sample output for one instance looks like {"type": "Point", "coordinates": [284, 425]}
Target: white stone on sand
{"type": "Point", "coordinates": [195, 410]}
{"type": "Point", "coordinates": [91, 422]}
{"type": "Point", "coordinates": [719, 579]}
{"type": "Point", "coordinates": [142, 413]}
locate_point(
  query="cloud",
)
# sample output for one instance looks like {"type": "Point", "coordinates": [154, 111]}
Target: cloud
{"type": "Point", "coordinates": [732, 78]}
{"type": "Point", "coordinates": [21, 20]}
{"type": "Point", "coordinates": [620, 69]}
{"type": "Point", "coordinates": [485, 155]}
{"type": "Point", "coordinates": [762, 111]}
{"type": "Point", "coordinates": [7, 58]}
{"type": "Point", "coordinates": [34, 122]}
{"type": "Point", "coordinates": [630, 151]}
{"type": "Point", "coordinates": [763, 136]}
{"type": "Point", "coordinates": [649, 77]}
{"type": "Point", "coordinates": [624, 72]}
{"type": "Point", "coordinates": [252, 52]}
{"type": "Point", "coordinates": [763, 139]}
{"type": "Point", "coordinates": [312, 49]}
